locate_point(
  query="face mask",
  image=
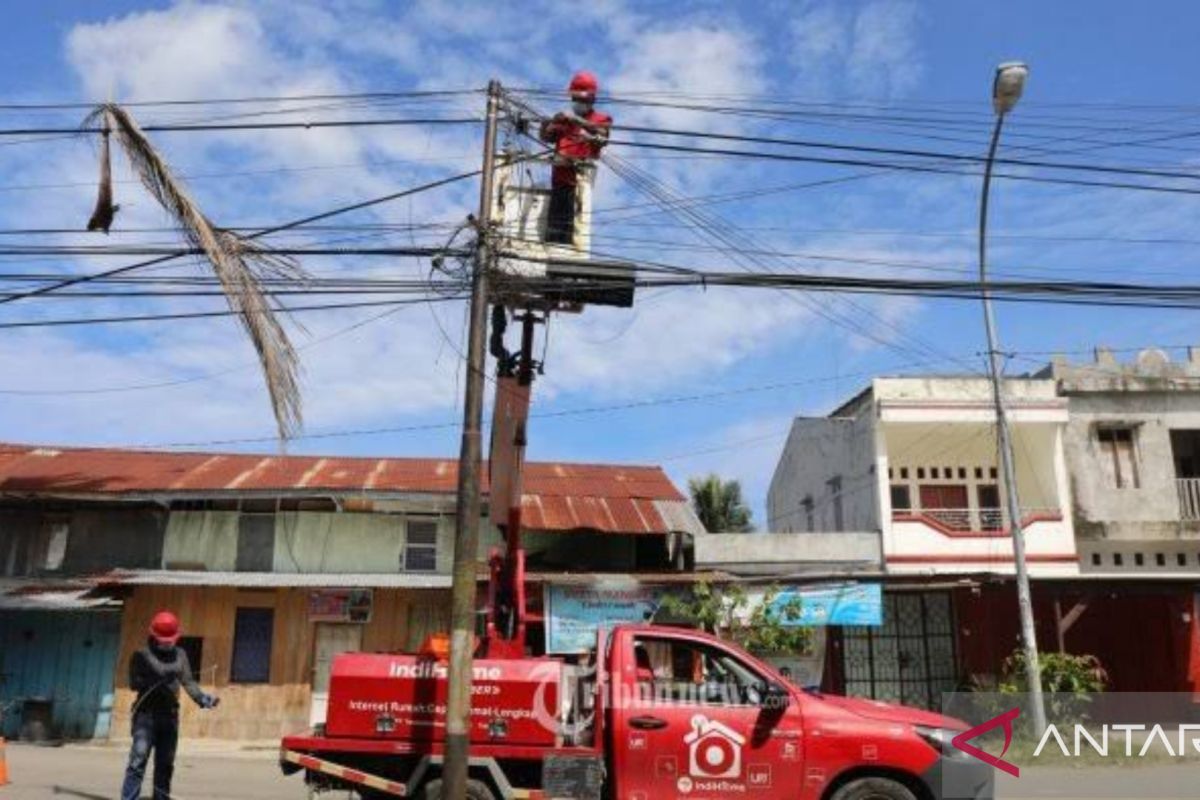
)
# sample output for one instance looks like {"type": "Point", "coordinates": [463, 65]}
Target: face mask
{"type": "Point", "coordinates": [581, 108]}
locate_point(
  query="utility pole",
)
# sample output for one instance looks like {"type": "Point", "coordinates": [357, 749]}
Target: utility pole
{"type": "Point", "coordinates": [468, 505]}
{"type": "Point", "coordinates": [1006, 90]}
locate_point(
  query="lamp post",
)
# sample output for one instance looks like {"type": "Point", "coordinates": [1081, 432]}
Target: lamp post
{"type": "Point", "coordinates": [1006, 91]}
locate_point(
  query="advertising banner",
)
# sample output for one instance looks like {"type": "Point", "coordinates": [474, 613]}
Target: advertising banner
{"type": "Point", "coordinates": [834, 604]}
{"type": "Point", "coordinates": [340, 605]}
{"type": "Point", "coordinates": [575, 613]}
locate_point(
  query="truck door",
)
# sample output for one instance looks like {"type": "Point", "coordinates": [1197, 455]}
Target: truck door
{"type": "Point", "coordinates": [695, 725]}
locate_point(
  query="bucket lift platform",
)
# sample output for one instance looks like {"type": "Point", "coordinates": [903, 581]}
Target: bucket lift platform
{"type": "Point", "coordinates": [534, 273]}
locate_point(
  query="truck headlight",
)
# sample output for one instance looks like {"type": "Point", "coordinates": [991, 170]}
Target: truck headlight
{"type": "Point", "coordinates": [940, 739]}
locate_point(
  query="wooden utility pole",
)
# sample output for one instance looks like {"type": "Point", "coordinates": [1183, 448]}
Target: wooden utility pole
{"type": "Point", "coordinates": [468, 506]}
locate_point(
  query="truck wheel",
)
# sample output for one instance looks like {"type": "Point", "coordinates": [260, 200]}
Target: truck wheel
{"type": "Point", "coordinates": [475, 790]}
{"type": "Point", "coordinates": [874, 789]}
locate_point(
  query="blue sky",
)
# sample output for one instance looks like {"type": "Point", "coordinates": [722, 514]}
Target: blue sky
{"type": "Point", "coordinates": [771, 357]}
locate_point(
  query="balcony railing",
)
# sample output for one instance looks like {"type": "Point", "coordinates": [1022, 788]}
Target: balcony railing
{"type": "Point", "coordinates": [975, 521]}
{"type": "Point", "coordinates": [1189, 498]}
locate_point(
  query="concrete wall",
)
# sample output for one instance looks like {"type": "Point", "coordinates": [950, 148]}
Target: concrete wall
{"type": "Point", "coordinates": [816, 452]}
{"type": "Point", "coordinates": [1152, 395]}
{"type": "Point", "coordinates": [779, 553]}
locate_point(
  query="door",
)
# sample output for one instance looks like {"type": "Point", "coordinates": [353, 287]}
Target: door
{"type": "Point", "coordinates": [330, 639]}
{"type": "Point", "coordinates": [66, 657]}
{"type": "Point", "coordinates": [911, 658]}
{"type": "Point", "coordinates": [696, 726]}
{"type": "Point", "coordinates": [947, 504]}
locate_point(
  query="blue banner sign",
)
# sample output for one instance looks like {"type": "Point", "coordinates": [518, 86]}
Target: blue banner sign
{"type": "Point", "coordinates": [834, 604]}
{"type": "Point", "coordinates": [575, 613]}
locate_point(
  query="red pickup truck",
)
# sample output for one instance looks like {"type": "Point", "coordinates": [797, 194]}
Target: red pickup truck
{"type": "Point", "coordinates": [665, 713]}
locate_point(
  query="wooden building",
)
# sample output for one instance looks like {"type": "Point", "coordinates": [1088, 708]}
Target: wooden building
{"type": "Point", "coordinates": [276, 563]}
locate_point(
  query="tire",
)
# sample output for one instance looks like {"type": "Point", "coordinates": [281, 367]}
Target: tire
{"type": "Point", "coordinates": [476, 790]}
{"type": "Point", "coordinates": [874, 788]}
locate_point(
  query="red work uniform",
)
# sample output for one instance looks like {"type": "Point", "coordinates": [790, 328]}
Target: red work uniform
{"type": "Point", "coordinates": [573, 142]}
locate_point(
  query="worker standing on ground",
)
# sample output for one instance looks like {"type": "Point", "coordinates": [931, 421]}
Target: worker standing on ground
{"type": "Point", "coordinates": [578, 136]}
{"type": "Point", "coordinates": [156, 672]}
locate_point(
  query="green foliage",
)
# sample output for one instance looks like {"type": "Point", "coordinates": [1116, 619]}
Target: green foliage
{"type": "Point", "coordinates": [719, 505]}
{"type": "Point", "coordinates": [761, 628]}
{"type": "Point", "coordinates": [1062, 673]}
{"type": "Point", "coordinates": [1068, 682]}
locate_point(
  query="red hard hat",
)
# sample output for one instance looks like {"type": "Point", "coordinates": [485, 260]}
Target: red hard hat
{"type": "Point", "coordinates": [164, 628]}
{"type": "Point", "coordinates": [584, 83]}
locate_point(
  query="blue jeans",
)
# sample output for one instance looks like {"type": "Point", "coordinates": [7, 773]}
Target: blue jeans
{"type": "Point", "coordinates": [158, 733]}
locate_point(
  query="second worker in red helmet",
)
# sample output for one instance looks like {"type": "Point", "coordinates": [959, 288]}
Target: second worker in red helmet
{"type": "Point", "coordinates": [578, 136]}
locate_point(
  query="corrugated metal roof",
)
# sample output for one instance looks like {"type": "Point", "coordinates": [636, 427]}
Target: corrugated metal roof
{"type": "Point", "coordinates": [270, 580]}
{"type": "Point", "coordinates": [558, 496]}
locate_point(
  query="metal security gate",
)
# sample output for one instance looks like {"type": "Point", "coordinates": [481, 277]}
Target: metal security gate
{"type": "Point", "coordinates": [65, 657]}
{"type": "Point", "coordinates": [911, 658]}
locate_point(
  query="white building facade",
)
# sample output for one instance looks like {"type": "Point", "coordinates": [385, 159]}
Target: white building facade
{"type": "Point", "coordinates": [915, 459]}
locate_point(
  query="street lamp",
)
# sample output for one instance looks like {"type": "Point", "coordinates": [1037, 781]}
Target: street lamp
{"type": "Point", "coordinates": [1006, 91]}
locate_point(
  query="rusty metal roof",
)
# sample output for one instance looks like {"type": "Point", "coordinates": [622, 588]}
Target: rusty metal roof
{"type": "Point", "coordinates": [558, 496]}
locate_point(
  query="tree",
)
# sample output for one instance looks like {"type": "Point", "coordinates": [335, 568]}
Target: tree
{"type": "Point", "coordinates": [766, 627]}
{"type": "Point", "coordinates": [719, 505]}
{"type": "Point", "coordinates": [239, 263]}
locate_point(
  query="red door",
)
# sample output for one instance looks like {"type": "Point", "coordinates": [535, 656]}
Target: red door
{"type": "Point", "coordinates": [697, 725]}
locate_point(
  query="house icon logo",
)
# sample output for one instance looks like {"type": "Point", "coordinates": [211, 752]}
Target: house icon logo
{"type": "Point", "coordinates": [714, 749]}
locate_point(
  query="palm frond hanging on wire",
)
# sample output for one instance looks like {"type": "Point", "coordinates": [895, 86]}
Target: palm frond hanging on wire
{"type": "Point", "coordinates": [239, 264]}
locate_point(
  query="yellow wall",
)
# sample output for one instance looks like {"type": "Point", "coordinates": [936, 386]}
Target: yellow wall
{"type": "Point", "coordinates": [400, 620]}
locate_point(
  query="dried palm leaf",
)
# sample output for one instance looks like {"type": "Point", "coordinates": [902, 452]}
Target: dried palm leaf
{"type": "Point", "coordinates": [240, 264]}
{"type": "Point", "coordinates": [102, 215]}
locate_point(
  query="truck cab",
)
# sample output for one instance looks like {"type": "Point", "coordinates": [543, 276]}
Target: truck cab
{"type": "Point", "coordinates": [663, 713]}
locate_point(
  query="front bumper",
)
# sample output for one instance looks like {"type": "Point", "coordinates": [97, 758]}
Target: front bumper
{"type": "Point", "coordinates": [960, 778]}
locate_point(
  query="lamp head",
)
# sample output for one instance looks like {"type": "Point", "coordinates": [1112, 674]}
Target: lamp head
{"type": "Point", "coordinates": [1008, 85]}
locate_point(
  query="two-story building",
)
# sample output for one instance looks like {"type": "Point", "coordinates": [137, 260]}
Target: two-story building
{"type": "Point", "coordinates": [1132, 446]}
{"type": "Point", "coordinates": [913, 459]}
{"type": "Point", "coordinates": [273, 563]}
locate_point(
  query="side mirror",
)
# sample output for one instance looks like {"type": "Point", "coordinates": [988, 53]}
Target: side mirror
{"type": "Point", "coordinates": [775, 696]}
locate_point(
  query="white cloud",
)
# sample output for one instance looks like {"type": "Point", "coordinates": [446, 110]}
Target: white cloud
{"type": "Point", "coordinates": [867, 51]}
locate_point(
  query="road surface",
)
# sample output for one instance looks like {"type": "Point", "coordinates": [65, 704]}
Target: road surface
{"type": "Point", "coordinates": [227, 772]}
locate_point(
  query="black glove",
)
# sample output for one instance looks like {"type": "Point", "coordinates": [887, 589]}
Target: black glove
{"type": "Point", "coordinates": [210, 701]}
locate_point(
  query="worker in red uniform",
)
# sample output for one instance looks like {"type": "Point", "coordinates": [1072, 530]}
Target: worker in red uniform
{"type": "Point", "coordinates": [156, 673]}
{"type": "Point", "coordinates": [578, 135]}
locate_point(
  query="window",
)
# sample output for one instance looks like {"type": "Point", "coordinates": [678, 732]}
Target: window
{"type": "Point", "coordinates": [835, 492]}
{"type": "Point", "coordinates": [193, 647]}
{"type": "Point", "coordinates": [1118, 560]}
{"type": "Point", "coordinates": [807, 505]}
{"type": "Point", "coordinates": [252, 629]}
{"type": "Point", "coordinates": [1181, 559]}
{"type": "Point", "coordinates": [256, 543]}
{"type": "Point", "coordinates": [904, 473]}
{"type": "Point", "coordinates": [1119, 456]}
{"type": "Point", "coordinates": [420, 545]}
{"type": "Point", "coordinates": [1185, 445]}
{"type": "Point", "coordinates": [1095, 559]}
{"type": "Point", "coordinates": [991, 518]}
{"type": "Point", "coordinates": [57, 531]}
{"type": "Point", "coordinates": [690, 672]}
{"type": "Point", "coordinates": [1139, 560]}
{"type": "Point", "coordinates": [901, 498]}
{"type": "Point", "coordinates": [1160, 559]}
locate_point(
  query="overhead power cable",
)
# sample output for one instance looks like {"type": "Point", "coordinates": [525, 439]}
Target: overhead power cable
{"type": "Point", "coordinates": [910, 153]}
{"type": "Point", "coordinates": [257, 99]}
{"type": "Point", "coordinates": [76, 321]}
{"type": "Point", "coordinates": [251, 126]}
{"type": "Point", "coordinates": [296, 223]}
{"type": "Point", "coordinates": [904, 167]}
